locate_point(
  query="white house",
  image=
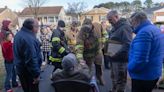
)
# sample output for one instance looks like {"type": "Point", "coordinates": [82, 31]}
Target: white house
{"type": "Point", "coordinates": [46, 15]}
{"type": "Point", "coordinates": [155, 14]}
{"type": "Point", "coordinates": [159, 15]}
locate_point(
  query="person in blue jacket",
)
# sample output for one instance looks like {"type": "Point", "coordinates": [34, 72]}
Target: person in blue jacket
{"type": "Point", "coordinates": [146, 54]}
{"type": "Point", "coordinates": [27, 55]}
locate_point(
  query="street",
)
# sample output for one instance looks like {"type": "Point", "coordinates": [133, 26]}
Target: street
{"type": "Point", "coordinates": [45, 83]}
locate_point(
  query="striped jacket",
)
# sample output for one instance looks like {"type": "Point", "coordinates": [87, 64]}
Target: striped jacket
{"type": "Point", "coordinates": [59, 46]}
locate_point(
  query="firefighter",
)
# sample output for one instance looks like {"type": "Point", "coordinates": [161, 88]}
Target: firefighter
{"type": "Point", "coordinates": [90, 41]}
{"type": "Point", "coordinates": [59, 45]}
{"type": "Point", "coordinates": [72, 35]}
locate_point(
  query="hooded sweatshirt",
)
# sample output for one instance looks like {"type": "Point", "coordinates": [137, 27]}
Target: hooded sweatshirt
{"type": "Point", "coordinates": [5, 27]}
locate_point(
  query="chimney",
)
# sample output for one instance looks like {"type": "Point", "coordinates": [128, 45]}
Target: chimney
{"type": "Point", "coordinates": [6, 7]}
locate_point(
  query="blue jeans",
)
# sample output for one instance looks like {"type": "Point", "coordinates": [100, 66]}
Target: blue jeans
{"type": "Point", "coordinates": [10, 75]}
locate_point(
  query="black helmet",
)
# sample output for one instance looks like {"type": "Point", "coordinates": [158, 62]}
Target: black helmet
{"type": "Point", "coordinates": [61, 23]}
{"type": "Point", "coordinates": [87, 22]}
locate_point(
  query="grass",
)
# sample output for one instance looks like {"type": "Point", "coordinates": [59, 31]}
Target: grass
{"type": "Point", "coordinates": [2, 71]}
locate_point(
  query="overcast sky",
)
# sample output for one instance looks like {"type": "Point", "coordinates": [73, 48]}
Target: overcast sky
{"type": "Point", "coordinates": [19, 4]}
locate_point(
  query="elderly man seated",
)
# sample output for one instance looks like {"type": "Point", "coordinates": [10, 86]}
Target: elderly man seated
{"type": "Point", "coordinates": [71, 71]}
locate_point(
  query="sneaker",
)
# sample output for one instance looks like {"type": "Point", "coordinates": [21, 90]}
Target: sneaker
{"type": "Point", "coordinates": [10, 90]}
{"type": "Point", "coordinates": [15, 86]}
{"type": "Point", "coordinates": [44, 63]}
{"type": "Point", "coordinates": [110, 90]}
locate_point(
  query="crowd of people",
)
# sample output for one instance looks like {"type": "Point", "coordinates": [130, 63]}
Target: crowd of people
{"type": "Point", "coordinates": [78, 53]}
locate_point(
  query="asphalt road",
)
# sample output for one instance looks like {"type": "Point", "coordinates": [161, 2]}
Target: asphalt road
{"type": "Point", "coordinates": [45, 83]}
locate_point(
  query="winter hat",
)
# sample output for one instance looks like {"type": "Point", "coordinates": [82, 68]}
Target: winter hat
{"type": "Point", "coordinates": [5, 25]}
{"type": "Point", "coordinates": [69, 62]}
{"type": "Point", "coordinates": [61, 23]}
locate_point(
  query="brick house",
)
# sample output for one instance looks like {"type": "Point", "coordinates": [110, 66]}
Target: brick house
{"type": "Point", "coordinates": [96, 15]}
{"type": "Point", "coordinates": [46, 15]}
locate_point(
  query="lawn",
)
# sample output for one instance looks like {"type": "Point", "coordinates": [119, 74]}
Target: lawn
{"type": "Point", "coordinates": [2, 71]}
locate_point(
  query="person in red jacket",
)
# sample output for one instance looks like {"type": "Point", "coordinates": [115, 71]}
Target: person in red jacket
{"type": "Point", "coordinates": [7, 51]}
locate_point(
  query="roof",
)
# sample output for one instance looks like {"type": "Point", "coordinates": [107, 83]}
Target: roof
{"type": "Point", "coordinates": [42, 10]}
{"type": "Point", "coordinates": [2, 9]}
{"type": "Point", "coordinates": [160, 10]}
{"type": "Point", "coordinates": [98, 10]}
{"type": "Point", "coordinates": [72, 15]}
{"type": "Point", "coordinates": [151, 10]}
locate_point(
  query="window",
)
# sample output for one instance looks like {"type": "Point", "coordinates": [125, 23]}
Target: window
{"type": "Point", "coordinates": [102, 18]}
{"type": "Point", "coordinates": [51, 19]}
{"type": "Point", "coordinates": [89, 17]}
{"type": "Point", "coordinates": [39, 18]}
{"type": "Point", "coordinates": [56, 18]}
{"type": "Point", "coordinates": [45, 19]}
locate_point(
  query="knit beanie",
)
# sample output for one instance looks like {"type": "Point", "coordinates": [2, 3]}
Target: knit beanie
{"type": "Point", "coordinates": [69, 62]}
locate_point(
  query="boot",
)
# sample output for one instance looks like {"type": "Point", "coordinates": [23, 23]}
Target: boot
{"type": "Point", "coordinates": [101, 80]}
{"type": "Point", "coordinates": [99, 75]}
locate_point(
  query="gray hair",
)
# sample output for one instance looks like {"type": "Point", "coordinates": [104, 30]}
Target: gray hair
{"type": "Point", "coordinates": [139, 16]}
{"type": "Point", "coordinates": [112, 13]}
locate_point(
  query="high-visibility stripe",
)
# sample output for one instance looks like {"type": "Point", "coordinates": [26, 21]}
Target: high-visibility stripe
{"type": "Point", "coordinates": [54, 59]}
{"type": "Point", "coordinates": [61, 50]}
{"type": "Point", "coordinates": [103, 40]}
{"type": "Point", "coordinates": [79, 56]}
{"type": "Point", "coordinates": [104, 32]}
{"type": "Point", "coordinates": [72, 42]}
{"type": "Point", "coordinates": [55, 39]}
{"type": "Point", "coordinates": [79, 46]}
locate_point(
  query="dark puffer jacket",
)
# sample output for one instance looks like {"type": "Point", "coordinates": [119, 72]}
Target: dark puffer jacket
{"type": "Point", "coordinates": [121, 32]}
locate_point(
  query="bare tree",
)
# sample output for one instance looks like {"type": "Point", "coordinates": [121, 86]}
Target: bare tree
{"type": "Point", "coordinates": [35, 5]}
{"type": "Point", "coordinates": [76, 8]}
